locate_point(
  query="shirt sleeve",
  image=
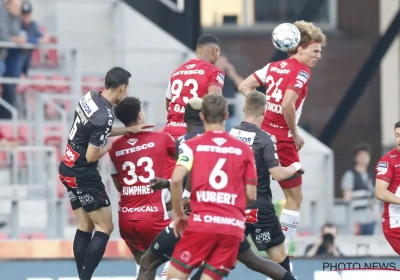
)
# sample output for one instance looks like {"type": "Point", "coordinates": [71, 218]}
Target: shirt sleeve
{"type": "Point", "coordinates": [170, 145]}
{"type": "Point", "coordinates": [168, 93]}
{"type": "Point", "coordinates": [15, 27]}
{"type": "Point", "coordinates": [166, 195]}
{"type": "Point", "coordinates": [99, 135]}
{"type": "Point", "coordinates": [270, 154]}
{"type": "Point", "coordinates": [299, 80]}
{"type": "Point", "coordinates": [347, 182]}
{"type": "Point", "coordinates": [261, 75]}
{"type": "Point", "coordinates": [217, 78]}
{"type": "Point", "coordinates": [185, 156]}
{"type": "Point", "coordinates": [250, 173]}
{"type": "Point", "coordinates": [35, 34]}
{"type": "Point", "coordinates": [113, 168]}
{"type": "Point", "coordinates": [384, 170]}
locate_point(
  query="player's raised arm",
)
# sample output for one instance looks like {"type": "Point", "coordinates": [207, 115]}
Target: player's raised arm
{"type": "Point", "coordinates": [253, 81]}
{"type": "Point", "coordinates": [289, 113]}
{"type": "Point", "coordinates": [97, 148]}
{"type": "Point", "coordinates": [383, 194]}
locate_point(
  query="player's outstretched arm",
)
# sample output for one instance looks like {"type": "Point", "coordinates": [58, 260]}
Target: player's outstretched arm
{"type": "Point", "coordinates": [280, 173]}
{"type": "Point", "coordinates": [383, 194]}
{"type": "Point", "coordinates": [117, 131]}
{"type": "Point", "coordinates": [289, 113]}
{"type": "Point", "coordinates": [94, 153]}
{"type": "Point", "coordinates": [176, 189]}
{"type": "Point", "coordinates": [249, 84]}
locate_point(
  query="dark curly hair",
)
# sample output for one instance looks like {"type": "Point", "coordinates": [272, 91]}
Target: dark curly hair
{"type": "Point", "coordinates": [127, 111]}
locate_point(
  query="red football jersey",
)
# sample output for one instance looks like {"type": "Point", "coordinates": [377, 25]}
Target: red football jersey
{"type": "Point", "coordinates": [221, 166]}
{"type": "Point", "coordinates": [136, 159]}
{"type": "Point", "coordinates": [278, 77]}
{"type": "Point", "coordinates": [190, 80]}
{"type": "Point", "coordinates": [388, 169]}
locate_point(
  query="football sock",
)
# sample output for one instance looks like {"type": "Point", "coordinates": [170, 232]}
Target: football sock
{"type": "Point", "coordinates": [165, 271]}
{"type": "Point", "coordinates": [94, 254]}
{"type": "Point", "coordinates": [286, 264]}
{"type": "Point", "coordinates": [81, 241]}
{"type": "Point", "coordinates": [289, 221]}
{"type": "Point", "coordinates": [137, 269]}
{"type": "Point", "coordinates": [288, 276]}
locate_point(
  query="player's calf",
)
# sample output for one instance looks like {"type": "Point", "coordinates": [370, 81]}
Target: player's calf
{"type": "Point", "coordinates": [148, 266]}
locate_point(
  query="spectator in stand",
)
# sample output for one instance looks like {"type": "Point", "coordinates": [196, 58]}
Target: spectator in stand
{"type": "Point", "coordinates": [231, 84]}
{"type": "Point", "coordinates": [9, 28]}
{"type": "Point", "coordinates": [325, 245]}
{"type": "Point", "coordinates": [358, 189]}
{"type": "Point", "coordinates": [35, 36]}
{"type": "Point", "coordinates": [17, 59]}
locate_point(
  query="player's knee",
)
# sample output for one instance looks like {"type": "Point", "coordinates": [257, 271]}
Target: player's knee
{"type": "Point", "coordinates": [105, 226]}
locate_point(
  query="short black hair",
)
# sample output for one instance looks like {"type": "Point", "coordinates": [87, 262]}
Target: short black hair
{"type": "Point", "coordinates": [397, 125]}
{"type": "Point", "coordinates": [116, 77]}
{"type": "Point", "coordinates": [328, 225]}
{"type": "Point", "coordinates": [362, 147]}
{"type": "Point", "coordinates": [207, 39]}
{"type": "Point", "coordinates": [127, 111]}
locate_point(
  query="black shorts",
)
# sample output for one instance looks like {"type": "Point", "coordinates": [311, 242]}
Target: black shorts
{"type": "Point", "coordinates": [164, 244]}
{"type": "Point", "coordinates": [264, 227]}
{"type": "Point", "coordinates": [87, 192]}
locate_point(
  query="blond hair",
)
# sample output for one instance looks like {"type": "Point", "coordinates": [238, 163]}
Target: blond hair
{"type": "Point", "coordinates": [309, 33]}
{"type": "Point", "coordinates": [255, 103]}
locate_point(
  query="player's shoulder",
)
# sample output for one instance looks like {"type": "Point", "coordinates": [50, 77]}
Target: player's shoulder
{"type": "Point", "coordinates": [392, 155]}
{"type": "Point", "coordinates": [266, 137]}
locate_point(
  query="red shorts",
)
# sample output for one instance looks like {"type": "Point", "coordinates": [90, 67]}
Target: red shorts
{"type": "Point", "coordinates": [288, 154]}
{"type": "Point", "coordinates": [219, 251]}
{"type": "Point", "coordinates": [139, 234]}
{"type": "Point", "coordinates": [392, 236]}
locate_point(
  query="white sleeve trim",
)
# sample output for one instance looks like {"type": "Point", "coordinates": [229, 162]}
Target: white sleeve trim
{"type": "Point", "coordinates": [168, 92]}
{"type": "Point", "coordinates": [113, 169]}
{"type": "Point", "coordinates": [166, 195]}
{"type": "Point", "coordinates": [186, 194]}
{"type": "Point", "coordinates": [262, 73]}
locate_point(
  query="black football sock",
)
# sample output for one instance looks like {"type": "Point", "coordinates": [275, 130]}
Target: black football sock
{"type": "Point", "coordinates": [286, 264]}
{"type": "Point", "coordinates": [288, 276]}
{"type": "Point", "coordinates": [94, 254]}
{"type": "Point", "coordinates": [81, 241]}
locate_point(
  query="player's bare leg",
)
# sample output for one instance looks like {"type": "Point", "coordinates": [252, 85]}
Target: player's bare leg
{"type": "Point", "coordinates": [103, 224]}
{"type": "Point", "coordinates": [148, 266]}
{"type": "Point", "coordinates": [137, 255]}
{"type": "Point", "coordinates": [290, 215]}
{"type": "Point", "coordinates": [279, 255]}
{"type": "Point", "coordinates": [82, 237]}
{"type": "Point", "coordinates": [175, 274]}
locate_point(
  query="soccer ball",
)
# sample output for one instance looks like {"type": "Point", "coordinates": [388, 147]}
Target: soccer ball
{"type": "Point", "coordinates": [286, 37]}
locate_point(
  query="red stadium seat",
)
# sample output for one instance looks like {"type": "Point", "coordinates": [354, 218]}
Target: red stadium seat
{"type": "Point", "coordinates": [92, 83]}
{"type": "Point", "coordinates": [22, 88]}
{"type": "Point", "coordinates": [37, 235]}
{"type": "Point", "coordinates": [39, 88]}
{"type": "Point", "coordinates": [23, 132]}
{"type": "Point", "coordinates": [36, 58]}
{"type": "Point", "coordinates": [4, 236]}
{"type": "Point", "coordinates": [3, 159]}
{"type": "Point", "coordinates": [23, 236]}
{"type": "Point", "coordinates": [59, 89]}
{"type": "Point", "coordinates": [52, 55]}
{"type": "Point", "coordinates": [7, 131]}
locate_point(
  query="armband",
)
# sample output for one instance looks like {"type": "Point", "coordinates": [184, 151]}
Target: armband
{"type": "Point", "coordinates": [186, 194]}
{"type": "Point", "coordinates": [296, 165]}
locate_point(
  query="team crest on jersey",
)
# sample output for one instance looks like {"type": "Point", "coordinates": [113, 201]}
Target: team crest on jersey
{"type": "Point", "coordinates": [132, 141]}
{"type": "Point", "coordinates": [382, 167]}
{"type": "Point", "coordinates": [219, 141]}
{"type": "Point", "coordinates": [303, 76]}
{"type": "Point", "coordinates": [221, 78]}
{"type": "Point", "coordinates": [283, 64]}
{"type": "Point", "coordinates": [190, 66]}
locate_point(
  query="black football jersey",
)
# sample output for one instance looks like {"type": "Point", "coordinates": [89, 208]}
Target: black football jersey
{"type": "Point", "coordinates": [93, 120]}
{"type": "Point", "coordinates": [196, 132]}
{"type": "Point", "coordinates": [265, 156]}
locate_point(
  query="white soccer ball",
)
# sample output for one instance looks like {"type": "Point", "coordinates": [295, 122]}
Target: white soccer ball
{"type": "Point", "coordinates": [286, 37]}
